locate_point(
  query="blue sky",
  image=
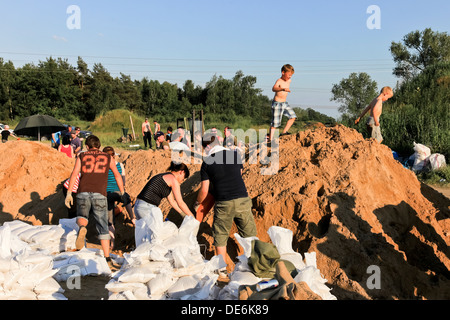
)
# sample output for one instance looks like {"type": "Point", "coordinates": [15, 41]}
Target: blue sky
{"type": "Point", "coordinates": [177, 40]}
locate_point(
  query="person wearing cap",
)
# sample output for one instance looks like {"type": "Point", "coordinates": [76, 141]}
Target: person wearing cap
{"type": "Point", "coordinates": [6, 133]}
{"type": "Point", "coordinates": [161, 143]}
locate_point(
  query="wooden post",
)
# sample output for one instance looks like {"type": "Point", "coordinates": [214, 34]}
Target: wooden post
{"type": "Point", "coordinates": [132, 128]}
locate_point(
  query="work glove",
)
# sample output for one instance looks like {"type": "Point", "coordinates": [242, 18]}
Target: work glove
{"type": "Point", "coordinates": [69, 199]}
{"type": "Point", "coordinates": [125, 198]}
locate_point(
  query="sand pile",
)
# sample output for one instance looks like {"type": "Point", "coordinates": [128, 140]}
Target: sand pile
{"type": "Point", "coordinates": [31, 177]}
{"type": "Point", "coordinates": [377, 231]}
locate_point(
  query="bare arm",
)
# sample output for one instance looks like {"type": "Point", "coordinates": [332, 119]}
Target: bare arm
{"type": "Point", "coordinates": [176, 191]}
{"type": "Point", "coordinates": [363, 113]}
{"type": "Point", "coordinates": [277, 87]}
{"type": "Point", "coordinates": [203, 192]}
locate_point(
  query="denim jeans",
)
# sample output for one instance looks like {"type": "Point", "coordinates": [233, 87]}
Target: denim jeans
{"type": "Point", "coordinates": [99, 205]}
{"type": "Point", "coordinates": [142, 208]}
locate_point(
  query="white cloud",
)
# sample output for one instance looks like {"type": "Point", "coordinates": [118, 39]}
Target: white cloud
{"type": "Point", "coordinates": [59, 38]}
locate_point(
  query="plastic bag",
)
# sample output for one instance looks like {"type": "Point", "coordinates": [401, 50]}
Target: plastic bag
{"type": "Point", "coordinates": [420, 156]}
{"type": "Point", "coordinates": [437, 161]}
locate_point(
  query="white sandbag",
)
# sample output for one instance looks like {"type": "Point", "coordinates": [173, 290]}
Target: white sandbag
{"type": "Point", "coordinates": [242, 264]}
{"type": "Point", "coordinates": [204, 288]}
{"type": "Point", "coordinates": [5, 265]}
{"type": "Point", "coordinates": [310, 259]}
{"type": "Point", "coordinates": [244, 277]}
{"type": "Point", "coordinates": [281, 238]}
{"type": "Point", "coordinates": [15, 224]}
{"type": "Point", "coordinates": [184, 257]}
{"type": "Point", "coordinates": [421, 155]}
{"type": "Point", "coordinates": [184, 286]}
{"type": "Point", "coordinates": [160, 284]}
{"type": "Point", "coordinates": [117, 286]}
{"type": "Point", "coordinates": [47, 287]}
{"type": "Point", "coordinates": [312, 277]}
{"type": "Point", "coordinates": [143, 273]}
{"type": "Point", "coordinates": [246, 244]}
{"type": "Point", "coordinates": [186, 235]}
{"type": "Point", "coordinates": [5, 242]}
{"type": "Point", "coordinates": [295, 258]}
{"type": "Point", "coordinates": [141, 294]}
{"type": "Point", "coordinates": [146, 252]}
{"type": "Point", "coordinates": [29, 233]}
{"type": "Point", "coordinates": [18, 226]}
{"type": "Point", "coordinates": [437, 161]}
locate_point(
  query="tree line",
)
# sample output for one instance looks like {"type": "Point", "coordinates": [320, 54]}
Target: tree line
{"type": "Point", "coordinates": [55, 87]}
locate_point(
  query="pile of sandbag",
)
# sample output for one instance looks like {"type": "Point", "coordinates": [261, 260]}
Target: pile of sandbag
{"type": "Point", "coordinates": [422, 158]}
{"type": "Point", "coordinates": [86, 262]}
{"type": "Point", "coordinates": [166, 265]}
{"type": "Point", "coordinates": [25, 273]}
{"type": "Point", "coordinates": [53, 238]}
{"type": "Point", "coordinates": [244, 275]}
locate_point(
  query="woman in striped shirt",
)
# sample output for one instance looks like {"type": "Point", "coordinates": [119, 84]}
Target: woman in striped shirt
{"type": "Point", "coordinates": [160, 186]}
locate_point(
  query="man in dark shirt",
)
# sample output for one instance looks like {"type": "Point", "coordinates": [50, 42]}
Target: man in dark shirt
{"type": "Point", "coordinates": [222, 169]}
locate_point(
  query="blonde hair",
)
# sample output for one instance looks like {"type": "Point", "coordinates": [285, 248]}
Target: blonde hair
{"type": "Point", "coordinates": [287, 67]}
{"type": "Point", "coordinates": [386, 90]}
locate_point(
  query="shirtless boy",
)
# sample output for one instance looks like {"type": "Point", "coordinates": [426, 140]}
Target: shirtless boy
{"type": "Point", "coordinates": [375, 107]}
{"type": "Point", "coordinates": [279, 105]}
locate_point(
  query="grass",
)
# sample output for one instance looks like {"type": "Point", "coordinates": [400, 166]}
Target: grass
{"type": "Point", "coordinates": [440, 177]}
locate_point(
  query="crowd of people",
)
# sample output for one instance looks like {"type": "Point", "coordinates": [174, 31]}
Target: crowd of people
{"type": "Point", "coordinates": [97, 182]}
{"type": "Point", "coordinates": [97, 185]}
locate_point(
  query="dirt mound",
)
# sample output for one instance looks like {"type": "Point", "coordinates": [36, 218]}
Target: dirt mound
{"type": "Point", "coordinates": [31, 177]}
{"type": "Point", "coordinates": [377, 231]}
{"type": "Point", "coordinates": [365, 216]}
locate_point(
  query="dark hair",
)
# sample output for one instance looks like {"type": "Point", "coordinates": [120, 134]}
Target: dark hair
{"type": "Point", "coordinates": [209, 139]}
{"type": "Point", "coordinates": [109, 150]}
{"type": "Point", "coordinates": [179, 167]}
{"type": "Point", "coordinates": [65, 140]}
{"type": "Point", "coordinates": [93, 142]}
{"type": "Point", "coordinates": [169, 129]}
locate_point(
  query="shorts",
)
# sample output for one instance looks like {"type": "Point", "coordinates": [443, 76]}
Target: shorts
{"type": "Point", "coordinates": [237, 210]}
{"type": "Point", "coordinates": [278, 110]}
{"type": "Point", "coordinates": [374, 131]}
{"type": "Point", "coordinates": [99, 205]}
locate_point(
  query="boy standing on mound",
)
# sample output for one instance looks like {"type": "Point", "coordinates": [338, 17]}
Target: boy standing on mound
{"type": "Point", "coordinates": [375, 107]}
{"type": "Point", "coordinates": [94, 166]}
{"type": "Point", "coordinates": [279, 105]}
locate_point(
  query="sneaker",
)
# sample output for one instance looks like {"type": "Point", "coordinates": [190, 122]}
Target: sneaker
{"type": "Point", "coordinates": [112, 265]}
{"type": "Point", "coordinates": [81, 237]}
{"type": "Point", "coordinates": [223, 275]}
{"type": "Point", "coordinates": [285, 134]}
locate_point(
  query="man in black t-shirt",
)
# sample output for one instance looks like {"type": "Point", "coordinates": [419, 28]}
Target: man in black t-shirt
{"type": "Point", "coordinates": [222, 169]}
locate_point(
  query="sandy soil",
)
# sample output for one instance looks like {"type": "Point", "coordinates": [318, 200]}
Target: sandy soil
{"type": "Point", "coordinates": [343, 197]}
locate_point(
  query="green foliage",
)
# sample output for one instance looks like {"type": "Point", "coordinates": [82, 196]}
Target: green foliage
{"type": "Point", "coordinates": [420, 112]}
{"type": "Point", "coordinates": [354, 93]}
{"type": "Point", "coordinates": [419, 50]}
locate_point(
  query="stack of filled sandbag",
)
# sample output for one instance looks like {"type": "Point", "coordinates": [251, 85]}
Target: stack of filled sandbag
{"type": "Point", "coordinates": [25, 273]}
{"type": "Point", "coordinates": [166, 264]}
{"type": "Point", "coordinates": [52, 238]}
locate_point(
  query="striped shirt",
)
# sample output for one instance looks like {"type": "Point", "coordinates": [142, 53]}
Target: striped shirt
{"type": "Point", "coordinates": [75, 185]}
{"type": "Point", "coordinates": [112, 183]}
{"type": "Point", "coordinates": [155, 190]}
